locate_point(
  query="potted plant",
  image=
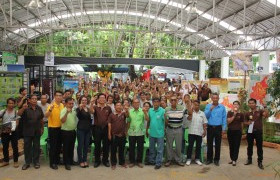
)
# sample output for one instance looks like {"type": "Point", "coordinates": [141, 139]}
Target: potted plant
{"type": "Point", "coordinates": [274, 108]}
{"type": "Point", "coordinates": [274, 91]}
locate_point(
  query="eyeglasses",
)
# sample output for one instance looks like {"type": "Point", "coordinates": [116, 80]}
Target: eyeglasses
{"type": "Point", "coordinates": [173, 99]}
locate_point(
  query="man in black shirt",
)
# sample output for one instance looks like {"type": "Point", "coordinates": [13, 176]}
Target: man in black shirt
{"type": "Point", "coordinates": [33, 127]}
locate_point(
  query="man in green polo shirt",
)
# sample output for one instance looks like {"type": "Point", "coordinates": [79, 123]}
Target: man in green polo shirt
{"type": "Point", "coordinates": [68, 119]}
{"type": "Point", "coordinates": [136, 133]}
{"type": "Point", "coordinates": [155, 131]}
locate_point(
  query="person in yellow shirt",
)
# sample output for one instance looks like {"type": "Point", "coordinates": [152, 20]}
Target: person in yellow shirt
{"type": "Point", "coordinates": [54, 125]}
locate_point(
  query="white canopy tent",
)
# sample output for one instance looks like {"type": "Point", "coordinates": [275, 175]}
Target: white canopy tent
{"type": "Point", "coordinates": [70, 67]}
{"type": "Point", "coordinates": [169, 70]}
{"type": "Point", "coordinates": [173, 72]}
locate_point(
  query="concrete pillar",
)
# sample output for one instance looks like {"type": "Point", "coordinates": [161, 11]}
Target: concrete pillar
{"type": "Point", "coordinates": [202, 69]}
{"type": "Point", "coordinates": [264, 62]}
{"type": "Point", "coordinates": [21, 60]}
{"type": "Point", "coordinates": [225, 67]}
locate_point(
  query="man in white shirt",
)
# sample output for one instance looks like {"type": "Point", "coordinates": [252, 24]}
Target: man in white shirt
{"type": "Point", "coordinates": [197, 130]}
{"type": "Point", "coordinates": [44, 105]}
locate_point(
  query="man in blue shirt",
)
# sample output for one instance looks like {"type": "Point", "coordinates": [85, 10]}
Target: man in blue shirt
{"type": "Point", "coordinates": [155, 131]}
{"type": "Point", "coordinates": [217, 123]}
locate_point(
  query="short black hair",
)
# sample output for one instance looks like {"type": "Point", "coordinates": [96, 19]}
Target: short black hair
{"type": "Point", "coordinates": [100, 94]}
{"type": "Point", "coordinates": [236, 102]}
{"type": "Point", "coordinates": [22, 89]}
{"type": "Point", "coordinates": [56, 92]}
{"type": "Point", "coordinates": [67, 90]}
{"type": "Point", "coordinates": [142, 93]}
{"type": "Point", "coordinates": [11, 99]}
{"type": "Point", "coordinates": [196, 101]}
{"type": "Point", "coordinates": [252, 99]}
{"type": "Point", "coordinates": [215, 94]}
{"type": "Point", "coordinates": [68, 99]}
{"type": "Point", "coordinates": [32, 95]}
{"type": "Point", "coordinates": [117, 102]}
{"type": "Point", "coordinates": [155, 99]}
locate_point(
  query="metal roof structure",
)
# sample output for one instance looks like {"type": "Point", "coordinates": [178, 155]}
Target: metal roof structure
{"type": "Point", "coordinates": [218, 27]}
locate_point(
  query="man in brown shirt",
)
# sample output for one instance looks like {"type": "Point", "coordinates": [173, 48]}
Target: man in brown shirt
{"type": "Point", "coordinates": [204, 92]}
{"type": "Point", "coordinates": [101, 116]}
{"type": "Point", "coordinates": [254, 118]}
{"type": "Point", "coordinates": [33, 127]}
{"type": "Point", "coordinates": [235, 122]}
{"type": "Point", "coordinates": [117, 134]}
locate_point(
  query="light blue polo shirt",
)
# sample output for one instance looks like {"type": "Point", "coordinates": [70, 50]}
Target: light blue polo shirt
{"type": "Point", "coordinates": [157, 122]}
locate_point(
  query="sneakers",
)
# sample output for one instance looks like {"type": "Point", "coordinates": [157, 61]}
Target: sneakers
{"type": "Point", "coordinates": [198, 162]}
{"type": "Point", "coordinates": [233, 163]}
{"type": "Point", "coordinates": [188, 162]}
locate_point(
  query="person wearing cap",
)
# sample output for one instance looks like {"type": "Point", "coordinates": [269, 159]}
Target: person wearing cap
{"type": "Point", "coordinates": [174, 131]}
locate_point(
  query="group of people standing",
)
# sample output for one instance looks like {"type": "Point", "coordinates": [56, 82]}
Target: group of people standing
{"type": "Point", "coordinates": [133, 112]}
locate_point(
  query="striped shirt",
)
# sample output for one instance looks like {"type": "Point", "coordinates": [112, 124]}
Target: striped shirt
{"type": "Point", "coordinates": [175, 117]}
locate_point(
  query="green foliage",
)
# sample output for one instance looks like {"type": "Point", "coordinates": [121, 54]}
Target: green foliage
{"type": "Point", "coordinates": [271, 139]}
{"type": "Point", "coordinates": [214, 70]}
{"type": "Point", "coordinates": [274, 91]}
{"type": "Point", "coordinates": [101, 43]}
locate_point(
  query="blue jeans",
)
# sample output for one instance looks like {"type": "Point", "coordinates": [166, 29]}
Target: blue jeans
{"type": "Point", "coordinates": [156, 153]}
{"type": "Point", "coordinates": [83, 144]}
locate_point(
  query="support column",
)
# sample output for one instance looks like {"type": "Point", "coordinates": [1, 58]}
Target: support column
{"type": "Point", "coordinates": [202, 68]}
{"type": "Point", "coordinates": [264, 62]}
{"type": "Point", "coordinates": [225, 67]}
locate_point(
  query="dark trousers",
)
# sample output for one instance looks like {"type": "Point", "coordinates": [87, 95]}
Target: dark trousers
{"type": "Point", "coordinates": [31, 149]}
{"type": "Point", "coordinates": [68, 141]}
{"type": "Point", "coordinates": [258, 136]}
{"type": "Point", "coordinates": [133, 140]}
{"type": "Point", "coordinates": [6, 138]}
{"type": "Point", "coordinates": [214, 132]}
{"type": "Point", "coordinates": [118, 143]}
{"type": "Point", "coordinates": [183, 142]}
{"type": "Point", "coordinates": [55, 145]}
{"type": "Point", "coordinates": [234, 139]}
{"type": "Point", "coordinates": [101, 136]}
{"type": "Point", "coordinates": [83, 137]}
{"type": "Point", "coordinates": [194, 138]}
